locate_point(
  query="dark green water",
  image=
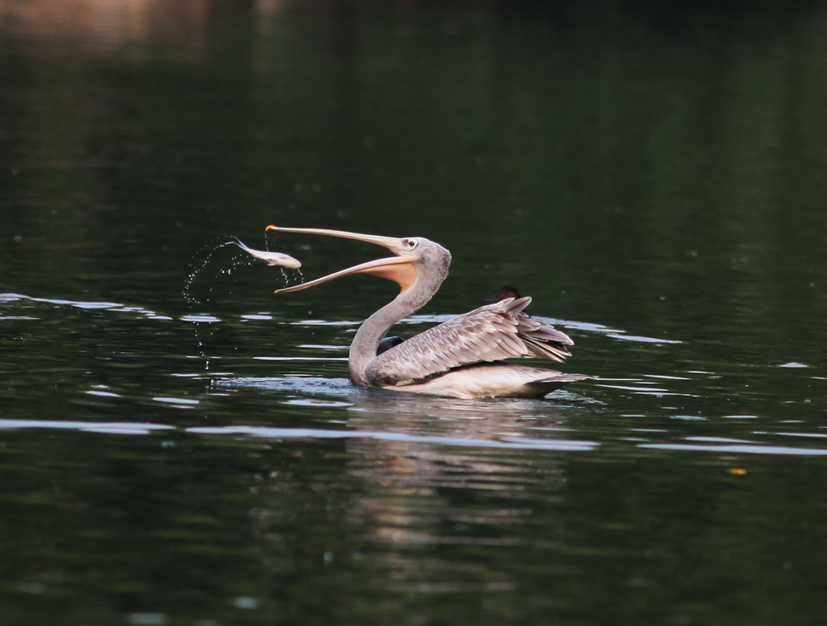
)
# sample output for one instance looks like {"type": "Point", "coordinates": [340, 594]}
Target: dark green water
{"type": "Point", "coordinates": [180, 446]}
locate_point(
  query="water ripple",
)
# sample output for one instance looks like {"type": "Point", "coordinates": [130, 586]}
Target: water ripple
{"type": "Point", "coordinates": [112, 428]}
{"type": "Point", "coordinates": [739, 449]}
{"type": "Point", "coordinates": [315, 433]}
{"type": "Point", "coordinates": [80, 304]}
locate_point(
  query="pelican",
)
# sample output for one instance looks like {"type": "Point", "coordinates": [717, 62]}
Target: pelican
{"type": "Point", "coordinates": [461, 358]}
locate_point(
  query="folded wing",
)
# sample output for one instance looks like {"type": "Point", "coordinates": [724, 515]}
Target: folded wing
{"type": "Point", "coordinates": [490, 333]}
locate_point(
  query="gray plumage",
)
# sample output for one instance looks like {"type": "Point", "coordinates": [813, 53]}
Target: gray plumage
{"type": "Point", "coordinates": [490, 333]}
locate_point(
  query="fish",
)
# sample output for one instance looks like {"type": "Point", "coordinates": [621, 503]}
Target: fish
{"type": "Point", "coordinates": [272, 258]}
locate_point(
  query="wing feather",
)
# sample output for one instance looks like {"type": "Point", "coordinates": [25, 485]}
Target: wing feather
{"type": "Point", "coordinates": [490, 333]}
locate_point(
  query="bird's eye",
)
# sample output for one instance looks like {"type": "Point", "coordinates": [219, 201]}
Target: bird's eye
{"type": "Point", "coordinates": [410, 244]}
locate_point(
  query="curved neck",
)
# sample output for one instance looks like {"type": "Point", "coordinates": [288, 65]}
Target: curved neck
{"type": "Point", "coordinates": [373, 330]}
{"type": "Point", "coordinates": [431, 268]}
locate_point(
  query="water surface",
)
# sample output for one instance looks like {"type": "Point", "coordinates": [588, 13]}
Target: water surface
{"type": "Point", "coordinates": [180, 446]}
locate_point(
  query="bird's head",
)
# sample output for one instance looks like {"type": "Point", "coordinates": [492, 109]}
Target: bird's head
{"type": "Point", "coordinates": [416, 259]}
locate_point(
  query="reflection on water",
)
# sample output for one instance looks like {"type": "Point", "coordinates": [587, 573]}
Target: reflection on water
{"type": "Point", "coordinates": [102, 27]}
{"type": "Point", "coordinates": [413, 464]}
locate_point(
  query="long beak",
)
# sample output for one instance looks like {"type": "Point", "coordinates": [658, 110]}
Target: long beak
{"type": "Point", "coordinates": [399, 269]}
{"type": "Point", "coordinates": [387, 242]}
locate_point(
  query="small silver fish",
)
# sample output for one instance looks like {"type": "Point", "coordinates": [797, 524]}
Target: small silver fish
{"type": "Point", "coordinates": [272, 258]}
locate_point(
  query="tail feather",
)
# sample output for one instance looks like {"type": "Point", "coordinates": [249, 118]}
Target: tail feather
{"type": "Point", "coordinates": [564, 378]}
{"type": "Point", "coordinates": [553, 383]}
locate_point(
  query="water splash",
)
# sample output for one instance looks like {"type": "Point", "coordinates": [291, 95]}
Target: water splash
{"type": "Point", "coordinates": [205, 268]}
{"type": "Point", "coordinates": [196, 268]}
{"type": "Point", "coordinates": [203, 259]}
